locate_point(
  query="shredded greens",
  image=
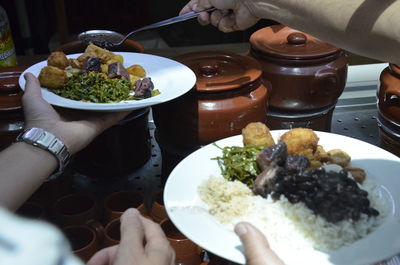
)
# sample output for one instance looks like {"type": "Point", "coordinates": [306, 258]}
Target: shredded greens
{"type": "Point", "coordinates": [96, 87]}
{"type": "Point", "coordinates": [239, 163]}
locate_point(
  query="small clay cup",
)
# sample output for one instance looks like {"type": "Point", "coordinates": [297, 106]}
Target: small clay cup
{"type": "Point", "coordinates": [32, 210]}
{"type": "Point", "coordinates": [112, 233]}
{"type": "Point", "coordinates": [158, 212]}
{"type": "Point", "coordinates": [85, 241]}
{"type": "Point", "coordinates": [186, 251]}
{"type": "Point", "coordinates": [74, 209]}
{"type": "Point", "coordinates": [116, 203]}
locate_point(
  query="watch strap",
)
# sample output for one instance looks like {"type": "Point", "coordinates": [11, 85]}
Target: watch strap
{"type": "Point", "coordinates": [47, 141]}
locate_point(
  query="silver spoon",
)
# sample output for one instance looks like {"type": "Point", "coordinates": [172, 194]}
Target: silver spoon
{"type": "Point", "coordinates": [107, 38]}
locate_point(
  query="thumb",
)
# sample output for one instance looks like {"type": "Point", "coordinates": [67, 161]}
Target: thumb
{"type": "Point", "coordinates": [32, 85]}
{"type": "Point", "coordinates": [256, 246]}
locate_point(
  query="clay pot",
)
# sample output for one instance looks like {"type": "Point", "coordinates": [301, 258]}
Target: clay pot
{"type": "Point", "coordinates": [11, 114]}
{"type": "Point", "coordinates": [389, 109]}
{"type": "Point", "coordinates": [389, 136]}
{"type": "Point", "coordinates": [84, 240]}
{"type": "Point", "coordinates": [119, 150]}
{"type": "Point", "coordinates": [305, 73]}
{"type": "Point", "coordinates": [158, 212]}
{"type": "Point", "coordinates": [319, 120]}
{"type": "Point", "coordinates": [389, 95]}
{"type": "Point", "coordinates": [78, 46]}
{"type": "Point", "coordinates": [227, 96]}
{"type": "Point", "coordinates": [74, 209]}
{"type": "Point", "coordinates": [116, 203]}
{"type": "Point", "coordinates": [187, 252]}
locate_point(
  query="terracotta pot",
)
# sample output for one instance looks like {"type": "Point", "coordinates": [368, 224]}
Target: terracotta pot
{"type": "Point", "coordinates": [74, 209]}
{"type": "Point", "coordinates": [119, 150]}
{"type": "Point", "coordinates": [227, 96]}
{"type": "Point", "coordinates": [78, 46]}
{"type": "Point", "coordinates": [116, 203]}
{"type": "Point", "coordinates": [306, 74]}
{"type": "Point", "coordinates": [84, 240]}
{"type": "Point", "coordinates": [319, 120]}
{"type": "Point", "coordinates": [389, 95]}
{"type": "Point", "coordinates": [389, 136]}
{"type": "Point", "coordinates": [158, 212]}
{"type": "Point", "coordinates": [187, 252]}
{"type": "Point", "coordinates": [11, 114]}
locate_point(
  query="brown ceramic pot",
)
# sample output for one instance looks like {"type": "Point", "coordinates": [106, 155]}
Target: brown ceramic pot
{"type": "Point", "coordinates": [187, 252]}
{"type": "Point", "coordinates": [11, 114]}
{"type": "Point", "coordinates": [74, 209]}
{"type": "Point", "coordinates": [227, 96]}
{"type": "Point", "coordinates": [119, 150]}
{"type": "Point", "coordinates": [158, 212]}
{"type": "Point", "coordinates": [116, 203]}
{"type": "Point", "coordinates": [389, 136]}
{"type": "Point", "coordinates": [84, 240]}
{"type": "Point", "coordinates": [389, 95]}
{"type": "Point", "coordinates": [306, 74]}
{"type": "Point", "coordinates": [320, 120]}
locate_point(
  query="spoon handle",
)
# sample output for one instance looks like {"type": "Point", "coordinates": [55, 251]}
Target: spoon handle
{"type": "Point", "coordinates": [169, 21]}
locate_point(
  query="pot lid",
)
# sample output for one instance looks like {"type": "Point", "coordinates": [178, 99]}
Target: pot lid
{"type": "Point", "coordinates": [221, 70]}
{"type": "Point", "coordinates": [284, 42]}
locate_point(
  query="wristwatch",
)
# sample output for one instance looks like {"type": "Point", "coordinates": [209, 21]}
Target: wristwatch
{"type": "Point", "coordinates": [47, 141]}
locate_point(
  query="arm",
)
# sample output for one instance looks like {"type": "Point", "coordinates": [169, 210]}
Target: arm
{"type": "Point", "coordinates": [25, 167]}
{"type": "Point", "coordinates": [364, 27]}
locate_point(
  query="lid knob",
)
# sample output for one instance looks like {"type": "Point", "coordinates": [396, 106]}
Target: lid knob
{"type": "Point", "coordinates": [296, 38]}
{"type": "Point", "coordinates": [209, 69]}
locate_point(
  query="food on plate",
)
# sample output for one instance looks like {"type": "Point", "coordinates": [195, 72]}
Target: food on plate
{"type": "Point", "coordinates": [239, 163]}
{"type": "Point", "coordinates": [97, 75]}
{"type": "Point", "coordinates": [324, 207]}
{"type": "Point", "coordinates": [300, 141]}
{"type": "Point", "coordinates": [257, 133]}
{"type": "Point", "coordinates": [52, 77]}
{"type": "Point", "coordinates": [58, 59]}
{"type": "Point", "coordinates": [330, 194]}
{"type": "Point", "coordinates": [338, 157]}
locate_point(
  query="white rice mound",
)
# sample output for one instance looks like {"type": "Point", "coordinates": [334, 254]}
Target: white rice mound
{"type": "Point", "coordinates": [286, 224]}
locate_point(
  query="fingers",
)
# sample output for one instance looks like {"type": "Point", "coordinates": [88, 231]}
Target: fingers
{"type": "Point", "coordinates": [223, 20]}
{"type": "Point", "coordinates": [188, 7]}
{"type": "Point", "coordinates": [104, 256]}
{"type": "Point", "coordinates": [156, 240]}
{"type": "Point", "coordinates": [256, 246]}
{"type": "Point", "coordinates": [132, 235]}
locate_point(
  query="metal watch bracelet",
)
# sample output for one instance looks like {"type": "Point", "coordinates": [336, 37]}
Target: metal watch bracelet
{"type": "Point", "coordinates": [47, 141]}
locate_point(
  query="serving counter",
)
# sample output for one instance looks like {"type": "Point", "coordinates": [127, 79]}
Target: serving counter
{"type": "Point", "coordinates": [354, 116]}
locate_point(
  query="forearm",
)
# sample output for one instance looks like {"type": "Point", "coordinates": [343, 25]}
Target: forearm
{"type": "Point", "coordinates": [23, 170]}
{"type": "Point", "coordinates": [368, 28]}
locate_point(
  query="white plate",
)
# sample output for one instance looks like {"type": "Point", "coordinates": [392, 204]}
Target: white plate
{"type": "Point", "coordinates": [187, 212]}
{"type": "Point", "coordinates": [171, 78]}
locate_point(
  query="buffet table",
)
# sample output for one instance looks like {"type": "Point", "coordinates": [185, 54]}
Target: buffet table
{"type": "Point", "coordinates": [354, 116]}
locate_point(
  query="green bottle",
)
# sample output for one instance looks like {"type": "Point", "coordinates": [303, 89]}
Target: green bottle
{"type": "Point", "coordinates": [7, 50]}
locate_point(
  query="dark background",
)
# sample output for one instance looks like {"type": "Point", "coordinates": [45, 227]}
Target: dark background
{"type": "Point", "coordinates": [47, 22]}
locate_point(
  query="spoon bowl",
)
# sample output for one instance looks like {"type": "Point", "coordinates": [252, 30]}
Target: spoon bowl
{"type": "Point", "coordinates": [108, 39]}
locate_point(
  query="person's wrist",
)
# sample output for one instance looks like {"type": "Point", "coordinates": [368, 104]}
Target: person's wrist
{"type": "Point", "coordinates": [45, 140]}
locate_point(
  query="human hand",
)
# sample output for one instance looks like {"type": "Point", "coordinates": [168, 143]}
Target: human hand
{"type": "Point", "coordinates": [76, 129]}
{"type": "Point", "coordinates": [142, 242]}
{"type": "Point", "coordinates": [256, 246]}
{"type": "Point", "coordinates": [231, 15]}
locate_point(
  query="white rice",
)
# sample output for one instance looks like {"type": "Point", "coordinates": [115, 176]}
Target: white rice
{"type": "Point", "coordinates": [286, 224]}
